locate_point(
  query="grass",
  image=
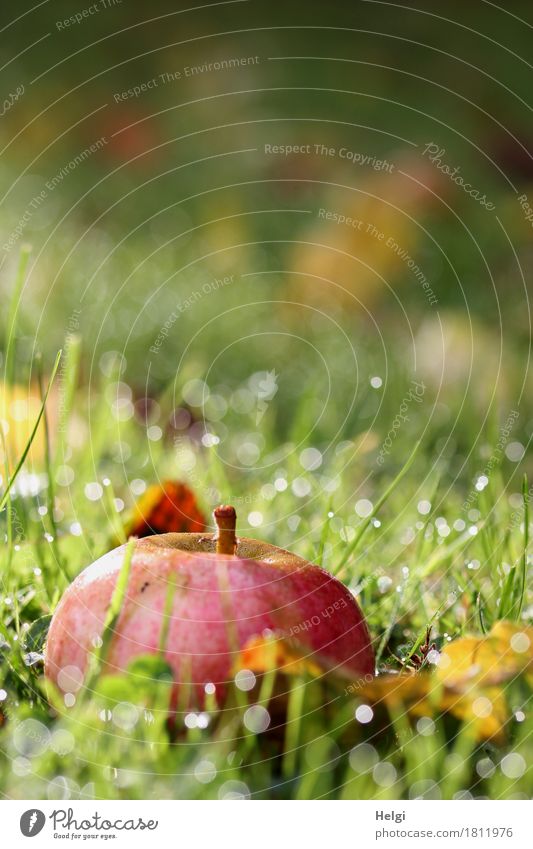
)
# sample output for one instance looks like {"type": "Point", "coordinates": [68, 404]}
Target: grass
{"type": "Point", "coordinates": [418, 550]}
{"type": "Point", "coordinates": [403, 515]}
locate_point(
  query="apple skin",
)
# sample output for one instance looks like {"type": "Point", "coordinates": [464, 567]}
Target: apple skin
{"type": "Point", "coordinates": [221, 602]}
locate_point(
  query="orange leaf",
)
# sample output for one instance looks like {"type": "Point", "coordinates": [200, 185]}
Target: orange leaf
{"type": "Point", "coordinates": [466, 682]}
{"type": "Point", "coordinates": [164, 508]}
{"type": "Point", "coordinates": [264, 654]}
{"type": "Point", "coordinates": [505, 652]}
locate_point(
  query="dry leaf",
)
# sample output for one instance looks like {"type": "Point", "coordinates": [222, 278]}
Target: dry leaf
{"type": "Point", "coordinates": [19, 409]}
{"type": "Point", "coordinates": [263, 654]}
{"type": "Point", "coordinates": [164, 508]}
{"type": "Point", "coordinates": [505, 652]}
{"type": "Point", "coordinates": [466, 681]}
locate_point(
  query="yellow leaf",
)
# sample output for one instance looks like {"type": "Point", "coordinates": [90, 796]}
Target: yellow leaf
{"type": "Point", "coordinates": [263, 654]}
{"type": "Point", "coordinates": [19, 408]}
{"type": "Point", "coordinates": [485, 710]}
{"type": "Point", "coordinates": [505, 652]}
{"type": "Point", "coordinates": [467, 681]}
{"type": "Point", "coordinates": [406, 689]}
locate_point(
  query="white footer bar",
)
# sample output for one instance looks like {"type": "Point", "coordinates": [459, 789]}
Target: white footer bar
{"type": "Point", "coordinates": [268, 824]}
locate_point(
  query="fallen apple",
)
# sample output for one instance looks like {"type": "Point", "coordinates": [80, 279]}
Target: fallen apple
{"type": "Point", "coordinates": [226, 593]}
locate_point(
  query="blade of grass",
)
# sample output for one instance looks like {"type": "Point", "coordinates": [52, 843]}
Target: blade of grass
{"type": "Point", "coordinates": [481, 609]}
{"type": "Point", "coordinates": [505, 606]}
{"type": "Point", "coordinates": [69, 381]}
{"type": "Point", "coordinates": [9, 512]}
{"type": "Point", "coordinates": [292, 727]}
{"type": "Point", "coordinates": [115, 522]}
{"type": "Point", "coordinates": [249, 739]}
{"type": "Point", "coordinates": [428, 519]}
{"type": "Point", "coordinates": [444, 552]}
{"type": "Point", "coordinates": [9, 376]}
{"type": "Point", "coordinates": [115, 607]}
{"type": "Point", "coordinates": [50, 491]}
{"type": "Point", "coordinates": [388, 630]}
{"type": "Point", "coordinates": [512, 597]}
{"type": "Point", "coordinates": [523, 573]}
{"type": "Point", "coordinates": [352, 547]}
{"type": "Point", "coordinates": [167, 614]}
{"type": "Point", "coordinates": [9, 368]}
{"type": "Point", "coordinates": [24, 454]}
{"type": "Point", "coordinates": [326, 529]}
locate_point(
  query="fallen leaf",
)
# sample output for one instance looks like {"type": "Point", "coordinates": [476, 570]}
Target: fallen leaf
{"type": "Point", "coordinates": [264, 654]}
{"type": "Point", "coordinates": [165, 508]}
{"type": "Point", "coordinates": [19, 409]}
{"type": "Point", "coordinates": [466, 681]}
{"type": "Point", "coordinates": [505, 652]}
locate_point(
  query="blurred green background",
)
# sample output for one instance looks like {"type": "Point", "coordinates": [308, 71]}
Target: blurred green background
{"type": "Point", "coordinates": [282, 245]}
{"type": "Point", "coordinates": [139, 162]}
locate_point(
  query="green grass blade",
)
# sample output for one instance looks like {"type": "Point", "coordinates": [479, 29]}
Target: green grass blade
{"type": "Point", "coordinates": [9, 514]}
{"type": "Point", "coordinates": [324, 536]}
{"type": "Point", "coordinates": [167, 613]}
{"type": "Point", "coordinates": [350, 549]}
{"type": "Point", "coordinates": [9, 370]}
{"type": "Point", "coordinates": [512, 596]}
{"type": "Point", "coordinates": [293, 726]}
{"type": "Point", "coordinates": [523, 571]}
{"type": "Point", "coordinates": [100, 655]}
{"type": "Point", "coordinates": [51, 488]}
{"type": "Point", "coordinates": [69, 382]}
{"type": "Point", "coordinates": [116, 524]}
{"type": "Point", "coordinates": [24, 454]}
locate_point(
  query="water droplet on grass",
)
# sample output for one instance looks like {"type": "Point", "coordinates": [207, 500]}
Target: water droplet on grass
{"type": "Point", "coordinates": [310, 459]}
{"type": "Point", "coordinates": [384, 774]}
{"type": "Point", "coordinates": [363, 507]}
{"type": "Point", "coordinates": [364, 714]}
{"type": "Point", "coordinates": [513, 765]}
{"type": "Point", "coordinates": [257, 719]}
{"type": "Point", "coordinates": [363, 757]}
{"type": "Point", "coordinates": [245, 680]}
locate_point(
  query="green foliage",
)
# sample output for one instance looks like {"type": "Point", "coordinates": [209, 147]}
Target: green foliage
{"type": "Point", "coordinates": [407, 575]}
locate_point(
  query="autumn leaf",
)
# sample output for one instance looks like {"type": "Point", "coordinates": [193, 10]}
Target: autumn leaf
{"type": "Point", "coordinates": [418, 692]}
{"type": "Point", "coordinates": [164, 508]}
{"type": "Point", "coordinates": [19, 409]}
{"type": "Point", "coordinates": [266, 653]}
{"type": "Point", "coordinates": [466, 681]}
{"type": "Point", "coordinates": [505, 652]}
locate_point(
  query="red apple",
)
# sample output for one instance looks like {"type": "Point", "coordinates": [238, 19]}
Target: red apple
{"type": "Point", "coordinates": [228, 591]}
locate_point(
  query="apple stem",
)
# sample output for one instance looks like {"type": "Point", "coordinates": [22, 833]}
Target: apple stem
{"type": "Point", "coordinates": [226, 520]}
